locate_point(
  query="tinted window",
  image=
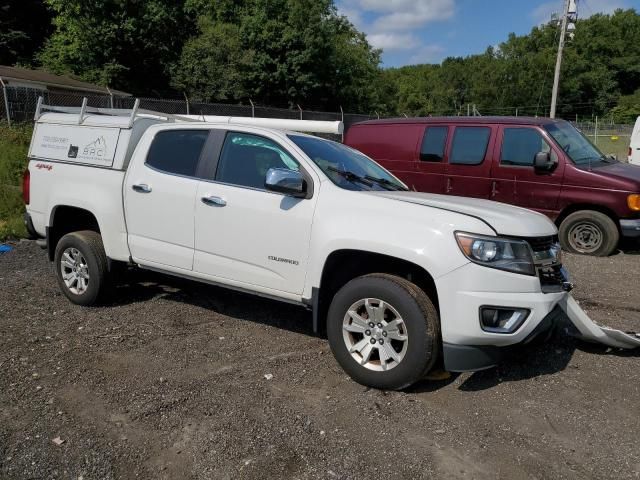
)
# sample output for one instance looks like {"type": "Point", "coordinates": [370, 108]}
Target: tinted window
{"type": "Point", "coordinates": [469, 145]}
{"type": "Point", "coordinates": [177, 151]}
{"type": "Point", "coordinates": [520, 145]}
{"type": "Point", "coordinates": [433, 143]}
{"type": "Point", "coordinates": [246, 158]}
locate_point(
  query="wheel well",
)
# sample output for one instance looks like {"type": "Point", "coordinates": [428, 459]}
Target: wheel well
{"type": "Point", "coordinates": [586, 206]}
{"type": "Point", "coordinates": [65, 219]}
{"type": "Point", "coordinates": [345, 265]}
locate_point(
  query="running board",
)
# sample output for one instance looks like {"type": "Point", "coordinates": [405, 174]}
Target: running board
{"type": "Point", "coordinates": [592, 332]}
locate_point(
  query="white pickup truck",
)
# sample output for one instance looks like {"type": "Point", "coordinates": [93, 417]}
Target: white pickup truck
{"type": "Point", "coordinates": [398, 279]}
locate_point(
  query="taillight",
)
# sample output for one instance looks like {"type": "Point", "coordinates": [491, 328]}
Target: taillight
{"type": "Point", "coordinates": [26, 186]}
{"type": "Point", "coordinates": [629, 152]}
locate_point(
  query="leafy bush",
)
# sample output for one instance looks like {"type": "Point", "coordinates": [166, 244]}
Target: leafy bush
{"type": "Point", "coordinates": [14, 144]}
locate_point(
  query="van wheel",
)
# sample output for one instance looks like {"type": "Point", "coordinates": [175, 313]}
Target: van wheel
{"type": "Point", "coordinates": [384, 331]}
{"type": "Point", "coordinates": [590, 233]}
{"type": "Point", "coordinates": [81, 267]}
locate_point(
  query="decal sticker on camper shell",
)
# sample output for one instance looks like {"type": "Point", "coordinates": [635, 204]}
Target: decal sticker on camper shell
{"type": "Point", "coordinates": [77, 144]}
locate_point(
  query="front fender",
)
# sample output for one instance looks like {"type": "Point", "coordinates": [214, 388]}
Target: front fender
{"type": "Point", "coordinates": [413, 233]}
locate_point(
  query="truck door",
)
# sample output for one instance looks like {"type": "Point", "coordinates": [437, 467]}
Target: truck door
{"type": "Point", "coordinates": [245, 234]}
{"type": "Point", "coordinates": [159, 197]}
{"type": "Point", "coordinates": [469, 166]}
{"type": "Point", "coordinates": [514, 179]}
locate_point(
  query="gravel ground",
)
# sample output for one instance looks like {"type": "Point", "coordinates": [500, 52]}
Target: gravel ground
{"type": "Point", "coordinates": [168, 381]}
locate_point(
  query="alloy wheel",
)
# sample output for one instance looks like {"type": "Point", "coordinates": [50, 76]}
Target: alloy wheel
{"type": "Point", "coordinates": [375, 334]}
{"type": "Point", "coordinates": [75, 271]}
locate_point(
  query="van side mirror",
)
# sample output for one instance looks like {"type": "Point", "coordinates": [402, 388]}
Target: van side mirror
{"type": "Point", "coordinates": [282, 180]}
{"type": "Point", "coordinates": [542, 162]}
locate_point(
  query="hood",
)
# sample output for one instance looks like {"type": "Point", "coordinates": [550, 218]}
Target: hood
{"type": "Point", "coordinates": [622, 171]}
{"type": "Point", "coordinates": [504, 219]}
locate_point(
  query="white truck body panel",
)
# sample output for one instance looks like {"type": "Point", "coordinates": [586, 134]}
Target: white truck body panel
{"type": "Point", "coordinates": [634, 144]}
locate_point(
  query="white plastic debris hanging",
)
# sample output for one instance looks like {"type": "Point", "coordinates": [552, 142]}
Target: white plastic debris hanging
{"type": "Point", "coordinates": [592, 332]}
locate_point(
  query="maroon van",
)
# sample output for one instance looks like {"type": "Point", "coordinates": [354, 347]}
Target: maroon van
{"type": "Point", "coordinates": [538, 163]}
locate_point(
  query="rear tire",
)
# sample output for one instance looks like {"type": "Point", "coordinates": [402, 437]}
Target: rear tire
{"type": "Point", "coordinates": [402, 345]}
{"type": "Point", "coordinates": [81, 267]}
{"type": "Point", "coordinates": [588, 232]}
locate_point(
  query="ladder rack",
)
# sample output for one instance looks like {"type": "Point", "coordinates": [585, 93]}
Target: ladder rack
{"type": "Point", "coordinates": [130, 115]}
{"type": "Point", "coordinates": [84, 110]}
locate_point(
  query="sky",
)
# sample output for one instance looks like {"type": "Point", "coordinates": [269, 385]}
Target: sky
{"type": "Point", "coordinates": [428, 31]}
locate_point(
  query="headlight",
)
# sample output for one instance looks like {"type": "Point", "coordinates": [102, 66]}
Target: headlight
{"type": "Point", "coordinates": [495, 252]}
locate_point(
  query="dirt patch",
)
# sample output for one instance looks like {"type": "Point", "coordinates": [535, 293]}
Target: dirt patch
{"type": "Point", "coordinates": [168, 381]}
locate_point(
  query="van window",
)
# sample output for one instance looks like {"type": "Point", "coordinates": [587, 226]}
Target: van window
{"type": "Point", "coordinates": [469, 145]}
{"type": "Point", "coordinates": [433, 144]}
{"type": "Point", "coordinates": [177, 151]}
{"type": "Point", "coordinates": [520, 145]}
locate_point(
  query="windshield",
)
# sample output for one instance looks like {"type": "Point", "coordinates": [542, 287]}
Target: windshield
{"type": "Point", "coordinates": [345, 166]}
{"type": "Point", "coordinates": [575, 144]}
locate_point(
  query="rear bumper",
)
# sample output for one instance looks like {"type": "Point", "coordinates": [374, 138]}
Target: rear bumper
{"type": "Point", "coordinates": [630, 227]}
{"type": "Point", "coordinates": [28, 223]}
{"type": "Point", "coordinates": [471, 358]}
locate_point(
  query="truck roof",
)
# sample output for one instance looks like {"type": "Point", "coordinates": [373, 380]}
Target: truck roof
{"type": "Point", "coordinates": [474, 120]}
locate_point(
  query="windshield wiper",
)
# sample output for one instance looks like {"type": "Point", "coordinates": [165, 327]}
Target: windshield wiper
{"type": "Point", "coordinates": [385, 183]}
{"type": "Point", "coordinates": [352, 177]}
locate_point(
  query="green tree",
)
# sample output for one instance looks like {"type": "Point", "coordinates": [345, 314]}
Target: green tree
{"type": "Point", "coordinates": [213, 64]}
{"type": "Point", "coordinates": [24, 25]}
{"type": "Point", "coordinates": [627, 110]}
{"type": "Point", "coordinates": [278, 52]}
{"type": "Point", "coordinates": [126, 44]}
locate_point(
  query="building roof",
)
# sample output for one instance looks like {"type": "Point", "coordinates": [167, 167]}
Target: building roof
{"type": "Point", "coordinates": [475, 120]}
{"type": "Point", "coordinates": [51, 80]}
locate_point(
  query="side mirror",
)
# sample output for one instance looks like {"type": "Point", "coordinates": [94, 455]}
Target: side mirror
{"type": "Point", "coordinates": [285, 181]}
{"type": "Point", "coordinates": [542, 162]}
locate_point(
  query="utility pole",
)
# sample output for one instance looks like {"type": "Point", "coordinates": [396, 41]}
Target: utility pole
{"type": "Point", "coordinates": [569, 8]}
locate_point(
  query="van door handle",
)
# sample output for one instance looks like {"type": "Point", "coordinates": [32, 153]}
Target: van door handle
{"type": "Point", "coordinates": [449, 188]}
{"type": "Point", "coordinates": [494, 190]}
{"type": "Point", "coordinates": [141, 188]}
{"type": "Point", "coordinates": [214, 201]}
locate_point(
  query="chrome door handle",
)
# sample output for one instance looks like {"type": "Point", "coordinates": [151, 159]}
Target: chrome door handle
{"type": "Point", "coordinates": [141, 188]}
{"type": "Point", "coordinates": [494, 190]}
{"type": "Point", "coordinates": [214, 201]}
{"type": "Point", "coordinates": [449, 188]}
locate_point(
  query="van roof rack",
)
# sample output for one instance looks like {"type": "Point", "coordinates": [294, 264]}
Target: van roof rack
{"type": "Point", "coordinates": [84, 110]}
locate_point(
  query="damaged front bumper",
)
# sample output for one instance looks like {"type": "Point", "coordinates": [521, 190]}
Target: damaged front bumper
{"type": "Point", "coordinates": [592, 332]}
{"type": "Point", "coordinates": [469, 358]}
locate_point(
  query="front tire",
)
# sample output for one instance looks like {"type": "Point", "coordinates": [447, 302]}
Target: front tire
{"type": "Point", "coordinates": [588, 232]}
{"type": "Point", "coordinates": [384, 331]}
{"type": "Point", "coordinates": [81, 267]}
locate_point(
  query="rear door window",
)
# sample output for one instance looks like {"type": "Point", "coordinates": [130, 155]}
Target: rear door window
{"type": "Point", "coordinates": [433, 144]}
{"type": "Point", "coordinates": [469, 145]}
{"type": "Point", "coordinates": [520, 146]}
{"type": "Point", "coordinates": [177, 151]}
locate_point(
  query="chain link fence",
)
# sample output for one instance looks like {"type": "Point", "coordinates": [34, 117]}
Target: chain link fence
{"type": "Point", "coordinates": [22, 102]}
{"type": "Point", "coordinates": [19, 105]}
